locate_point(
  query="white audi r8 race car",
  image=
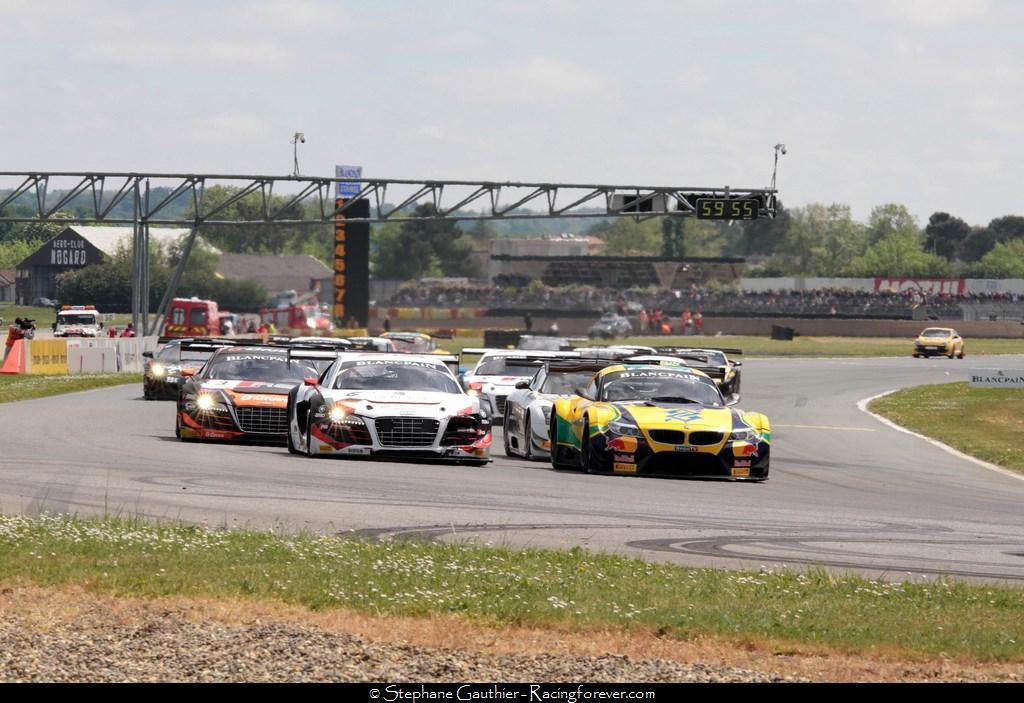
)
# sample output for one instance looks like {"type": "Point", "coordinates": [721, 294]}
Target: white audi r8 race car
{"type": "Point", "coordinates": [498, 371]}
{"type": "Point", "coordinates": [528, 408]}
{"type": "Point", "coordinates": [399, 406]}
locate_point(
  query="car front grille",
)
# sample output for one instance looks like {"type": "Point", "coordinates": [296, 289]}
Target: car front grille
{"type": "Point", "coordinates": [668, 436]}
{"type": "Point", "coordinates": [700, 438]}
{"type": "Point", "coordinates": [406, 431]}
{"type": "Point", "coordinates": [705, 438]}
{"type": "Point", "coordinates": [263, 420]}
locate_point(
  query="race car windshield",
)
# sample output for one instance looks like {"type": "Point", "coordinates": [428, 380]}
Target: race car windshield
{"type": "Point", "coordinates": [500, 366]}
{"type": "Point", "coordinates": [396, 377]}
{"type": "Point", "coordinates": [565, 383]}
{"type": "Point", "coordinates": [257, 367]}
{"type": "Point", "coordinates": [935, 333]}
{"type": "Point", "coordinates": [660, 386]}
{"type": "Point", "coordinates": [412, 345]}
{"type": "Point", "coordinates": [77, 319]}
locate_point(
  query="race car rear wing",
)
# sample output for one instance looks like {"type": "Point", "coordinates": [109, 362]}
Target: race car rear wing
{"type": "Point", "coordinates": [519, 353]}
{"type": "Point", "coordinates": [725, 350]}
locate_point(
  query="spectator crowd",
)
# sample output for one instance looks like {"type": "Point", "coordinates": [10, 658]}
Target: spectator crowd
{"type": "Point", "coordinates": [707, 301]}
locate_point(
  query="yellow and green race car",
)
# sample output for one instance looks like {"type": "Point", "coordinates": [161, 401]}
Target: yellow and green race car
{"type": "Point", "coordinates": [664, 420]}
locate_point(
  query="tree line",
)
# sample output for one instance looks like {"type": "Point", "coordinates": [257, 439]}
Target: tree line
{"type": "Point", "coordinates": [813, 240]}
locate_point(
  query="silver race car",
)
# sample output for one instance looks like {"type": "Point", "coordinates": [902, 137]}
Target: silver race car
{"type": "Point", "coordinates": [498, 371]}
{"type": "Point", "coordinates": [528, 408]}
{"type": "Point", "coordinates": [404, 406]}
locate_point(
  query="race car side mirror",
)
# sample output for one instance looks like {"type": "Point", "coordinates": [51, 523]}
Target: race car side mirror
{"type": "Point", "coordinates": [522, 385]}
{"type": "Point", "coordinates": [314, 382]}
{"type": "Point", "coordinates": [733, 399]}
{"type": "Point", "coordinates": [581, 392]}
{"type": "Point", "coordinates": [147, 354]}
{"type": "Point", "coordinates": [188, 372]}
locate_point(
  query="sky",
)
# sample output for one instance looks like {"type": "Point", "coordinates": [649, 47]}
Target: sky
{"type": "Point", "coordinates": [919, 102]}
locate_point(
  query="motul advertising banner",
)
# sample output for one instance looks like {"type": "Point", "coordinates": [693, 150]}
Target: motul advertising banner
{"type": "Point", "coordinates": [930, 286]}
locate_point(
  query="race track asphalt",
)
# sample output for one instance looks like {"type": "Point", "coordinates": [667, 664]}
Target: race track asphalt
{"type": "Point", "coordinates": [846, 491]}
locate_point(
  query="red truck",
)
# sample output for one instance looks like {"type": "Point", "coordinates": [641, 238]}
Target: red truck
{"type": "Point", "coordinates": [294, 313]}
{"type": "Point", "coordinates": [192, 317]}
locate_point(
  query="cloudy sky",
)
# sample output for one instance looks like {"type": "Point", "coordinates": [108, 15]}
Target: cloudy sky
{"type": "Point", "coordinates": [912, 101]}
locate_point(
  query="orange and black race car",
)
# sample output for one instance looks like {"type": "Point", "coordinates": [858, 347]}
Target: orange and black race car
{"type": "Point", "coordinates": [241, 394]}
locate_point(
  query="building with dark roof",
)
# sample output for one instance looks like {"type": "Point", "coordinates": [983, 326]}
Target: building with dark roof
{"type": "Point", "coordinates": [75, 248]}
{"type": "Point", "coordinates": [300, 273]}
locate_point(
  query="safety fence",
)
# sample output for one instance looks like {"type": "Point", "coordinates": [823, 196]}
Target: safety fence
{"type": "Point", "coordinates": [78, 356]}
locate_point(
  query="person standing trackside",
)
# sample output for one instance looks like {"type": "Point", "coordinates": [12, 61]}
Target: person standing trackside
{"type": "Point", "coordinates": [528, 321]}
{"type": "Point", "coordinates": [14, 333]}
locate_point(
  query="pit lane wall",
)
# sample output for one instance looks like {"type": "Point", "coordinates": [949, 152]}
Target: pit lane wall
{"type": "Point", "coordinates": [84, 356]}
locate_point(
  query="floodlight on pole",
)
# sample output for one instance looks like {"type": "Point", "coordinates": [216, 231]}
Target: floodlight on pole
{"type": "Point", "coordinates": [299, 137]}
{"type": "Point", "coordinates": [779, 148]}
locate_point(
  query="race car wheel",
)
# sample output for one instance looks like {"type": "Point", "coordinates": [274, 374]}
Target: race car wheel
{"type": "Point", "coordinates": [504, 437]}
{"type": "Point", "coordinates": [962, 353]}
{"type": "Point", "coordinates": [585, 460]}
{"type": "Point", "coordinates": [288, 437]}
{"type": "Point", "coordinates": [177, 425]}
{"type": "Point", "coordinates": [528, 438]}
{"type": "Point", "coordinates": [556, 450]}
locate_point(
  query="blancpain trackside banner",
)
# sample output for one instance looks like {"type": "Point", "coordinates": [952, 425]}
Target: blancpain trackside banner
{"type": "Point", "coordinates": [996, 378]}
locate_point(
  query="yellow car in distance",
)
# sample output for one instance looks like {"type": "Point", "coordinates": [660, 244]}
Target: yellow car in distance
{"type": "Point", "coordinates": [939, 341]}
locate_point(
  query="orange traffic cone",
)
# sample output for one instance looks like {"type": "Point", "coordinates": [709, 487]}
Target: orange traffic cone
{"type": "Point", "coordinates": [15, 362]}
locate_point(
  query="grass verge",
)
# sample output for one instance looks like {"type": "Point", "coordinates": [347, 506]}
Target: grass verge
{"type": "Point", "coordinates": [493, 586]}
{"type": "Point", "coordinates": [801, 346]}
{"type": "Point", "coordinates": [26, 386]}
{"type": "Point", "coordinates": [982, 422]}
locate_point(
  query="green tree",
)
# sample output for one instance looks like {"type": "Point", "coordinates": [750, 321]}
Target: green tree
{"type": "Point", "coordinates": [889, 219]}
{"type": "Point", "coordinates": [763, 237]}
{"type": "Point", "coordinates": [673, 238]}
{"type": "Point", "coordinates": [945, 235]}
{"type": "Point", "coordinates": [627, 237]}
{"type": "Point", "coordinates": [820, 240]}
{"type": "Point", "coordinates": [900, 254]}
{"type": "Point", "coordinates": [1005, 260]}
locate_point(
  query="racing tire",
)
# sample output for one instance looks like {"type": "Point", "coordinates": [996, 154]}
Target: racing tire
{"type": "Point", "coordinates": [555, 463]}
{"type": "Point", "coordinates": [962, 353]}
{"type": "Point", "coordinates": [585, 450]}
{"type": "Point", "coordinates": [292, 449]}
{"type": "Point", "coordinates": [504, 437]}
{"type": "Point", "coordinates": [177, 425]}
{"type": "Point", "coordinates": [528, 438]}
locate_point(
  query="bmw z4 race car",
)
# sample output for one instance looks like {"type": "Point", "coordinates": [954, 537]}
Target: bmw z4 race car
{"type": "Point", "coordinates": [528, 408]}
{"type": "Point", "coordinates": [658, 420]}
{"type": "Point", "coordinates": [401, 406]}
{"type": "Point", "coordinates": [241, 394]}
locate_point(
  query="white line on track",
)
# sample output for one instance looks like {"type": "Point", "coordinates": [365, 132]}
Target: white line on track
{"type": "Point", "coordinates": [862, 405]}
{"type": "Point", "coordinates": [825, 427]}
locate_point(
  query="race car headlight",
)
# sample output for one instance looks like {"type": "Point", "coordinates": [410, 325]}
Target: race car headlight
{"type": "Point", "coordinates": [745, 435]}
{"type": "Point", "coordinates": [207, 403]}
{"type": "Point", "coordinates": [475, 389]}
{"type": "Point", "coordinates": [158, 369]}
{"type": "Point", "coordinates": [624, 428]}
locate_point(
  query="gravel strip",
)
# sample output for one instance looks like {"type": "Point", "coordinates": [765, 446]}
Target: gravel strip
{"type": "Point", "coordinates": [163, 645]}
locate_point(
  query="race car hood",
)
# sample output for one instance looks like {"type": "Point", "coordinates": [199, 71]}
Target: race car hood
{"type": "Point", "coordinates": [382, 403]}
{"type": "Point", "coordinates": [673, 416]}
{"type": "Point", "coordinates": [252, 393]}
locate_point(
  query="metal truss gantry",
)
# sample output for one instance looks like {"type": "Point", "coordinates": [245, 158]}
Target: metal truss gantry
{"type": "Point", "coordinates": [299, 200]}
